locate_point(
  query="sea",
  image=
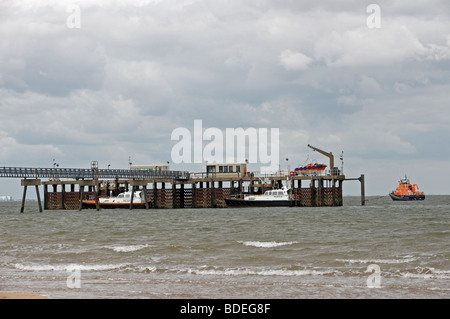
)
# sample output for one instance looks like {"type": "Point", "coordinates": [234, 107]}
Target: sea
{"type": "Point", "coordinates": [382, 250]}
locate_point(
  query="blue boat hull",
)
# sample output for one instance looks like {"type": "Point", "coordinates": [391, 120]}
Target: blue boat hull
{"type": "Point", "coordinates": [406, 197]}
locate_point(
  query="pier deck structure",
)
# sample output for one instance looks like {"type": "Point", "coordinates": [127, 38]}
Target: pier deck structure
{"type": "Point", "coordinates": [64, 188]}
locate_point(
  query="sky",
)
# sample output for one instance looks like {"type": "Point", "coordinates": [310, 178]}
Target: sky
{"type": "Point", "coordinates": [110, 81]}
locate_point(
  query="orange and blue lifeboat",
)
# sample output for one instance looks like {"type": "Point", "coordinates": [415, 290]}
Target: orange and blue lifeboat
{"type": "Point", "coordinates": [311, 167]}
{"type": "Point", "coordinates": [406, 191]}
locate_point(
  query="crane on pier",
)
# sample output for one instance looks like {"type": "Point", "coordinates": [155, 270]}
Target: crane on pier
{"type": "Point", "coordinates": [328, 154]}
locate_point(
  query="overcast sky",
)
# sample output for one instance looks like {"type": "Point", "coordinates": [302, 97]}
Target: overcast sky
{"type": "Point", "coordinates": [117, 86]}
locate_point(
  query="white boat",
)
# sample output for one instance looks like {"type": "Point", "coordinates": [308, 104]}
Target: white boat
{"type": "Point", "coordinates": [123, 200]}
{"type": "Point", "coordinates": [271, 198]}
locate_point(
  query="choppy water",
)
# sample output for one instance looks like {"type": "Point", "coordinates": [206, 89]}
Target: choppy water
{"type": "Point", "coordinates": [385, 249]}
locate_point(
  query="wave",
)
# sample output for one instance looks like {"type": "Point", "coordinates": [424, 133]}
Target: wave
{"type": "Point", "coordinates": [219, 271]}
{"type": "Point", "coordinates": [266, 244]}
{"type": "Point", "coordinates": [426, 273]}
{"type": "Point", "coordinates": [127, 248]}
{"type": "Point", "coordinates": [262, 272]}
{"type": "Point", "coordinates": [377, 261]}
{"type": "Point", "coordinates": [70, 267]}
{"type": "Point", "coordinates": [413, 273]}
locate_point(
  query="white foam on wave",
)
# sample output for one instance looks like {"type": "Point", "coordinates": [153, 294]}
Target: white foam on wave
{"type": "Point", "coordinates": [377, 261]}
{"type": "Point", "coordinates": [266, 244]}
{"type": "Point", "coordinates": [252, 271]}
{"type": "Point", "coordinates": [260, 272]}
{"type": "Point", "coordinates": [426, 273]}
{"type": "Point", "coordinates": [68, 267]}
{"type": "Point", "coordinates": [127, 248]}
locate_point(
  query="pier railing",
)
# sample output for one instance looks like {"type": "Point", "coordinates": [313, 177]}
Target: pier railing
{"type": "Point", "coordinates": [80, 173]}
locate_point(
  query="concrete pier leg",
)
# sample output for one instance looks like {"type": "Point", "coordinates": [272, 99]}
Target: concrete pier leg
{"type": "Point", "coordinates": [155, 195]}
{"type": "Point", "coordinates": [144, 189]}
{"type": "Point", "coordinates": [132, 197]}
{"type": "Point", "coordinates": [38, 198]}
{"type": "Point", "coordinates": [194, 195]}
{"type": "Point", "coordinates": [333, 193]}
{"type": "Point", "coordinates": [81, 196]}
{"type": "Point", "coordinates": [240, 186]}
{"type": "Point", "coordinates": [174, 195]}
{"type": "Point", "coordinates": [45, 196]}
{"type": "Point", "coordinates": [22, 207]}
{"type": "Point", "coordinates": [63, 190]}
{"type": "Point", "coordinates": [213, 194]}
{"type": "Point", "coordinates": [29, 182]}
{"type": "Point", "coordinates": [182, 195]}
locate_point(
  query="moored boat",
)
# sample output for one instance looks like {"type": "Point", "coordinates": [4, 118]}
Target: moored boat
{"type": "Point", "coordinates": [123, 200]}
{"type": "Point", "coordinates": [406, 191]}
{"type": "Point", "coordinates": [271, 198]}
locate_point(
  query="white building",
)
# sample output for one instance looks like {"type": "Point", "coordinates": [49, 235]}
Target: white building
{"type": "Point", "coordinates": [5, 198]}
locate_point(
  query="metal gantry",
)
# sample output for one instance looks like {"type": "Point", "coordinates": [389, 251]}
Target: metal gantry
{"type": "Point", "coordinates": [82, 173]}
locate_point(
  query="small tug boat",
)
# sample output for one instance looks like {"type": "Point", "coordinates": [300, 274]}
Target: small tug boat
{"type": "Point", "coordinates": [406, 191]}
{"type": "Point", "coordinates": [271, 198]}
{"type": "Point", "coordinates": [122, 200]}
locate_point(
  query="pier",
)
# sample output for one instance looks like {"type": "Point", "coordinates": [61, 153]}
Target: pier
{"type": "Point", "coordinates": [179, 189]}
{"type": "Point", "coordinates": [66, 188]}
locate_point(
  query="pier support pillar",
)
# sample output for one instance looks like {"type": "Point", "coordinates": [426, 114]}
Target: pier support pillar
{"type": "Point", "coordinates": [182, 195]}
{"type": "Point", "coordinates": [63, 190]}
{"type": "Point", "coordinates": [144, 189]}
{"type": "Point", "coordinates": [213, 194]}
{"type": "Point", "coordinates": [97, 192]}
{"type": "Point", "coordinates": [22, 207]}
{"type": "Point", "coordinates": [81, 196]}
{"type": "Point", "coordinates": [135, 186]}
{"type": "Point", "coordinates": [132, 196]}
{"type": "Point", "coordinates": [45, 196]}
{"type": "Point", "coordinates": [30, 182]}
{"type": "Point", "coordinates": [155, 195]}
{"type": "Point", "coordinates": [240, 185]}
{"type": "Point", "coordinates": [194, 194]}
{"type": "Point", "coordinates": [363, 192]}
{"type": "Point", "coordinates": [38, 198]}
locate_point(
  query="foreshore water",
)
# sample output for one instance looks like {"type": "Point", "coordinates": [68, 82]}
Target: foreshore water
{"type": "Point", "coordinates": [384, 249]}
